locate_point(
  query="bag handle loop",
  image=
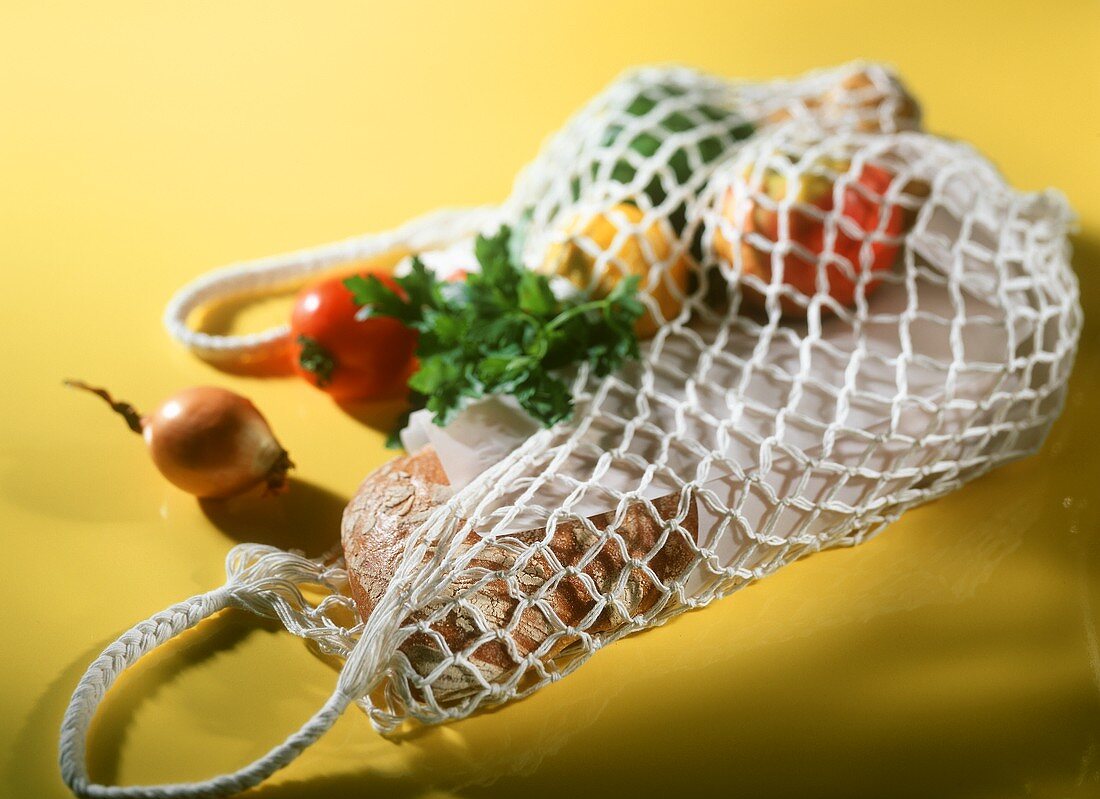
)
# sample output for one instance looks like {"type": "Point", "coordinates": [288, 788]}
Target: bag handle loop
{"type": "Point", "coordinates": [261, 580]}
{"type": "Point", "coordinates": [285, 271]}
{"type": "Point", "coordinates": [130, 647]}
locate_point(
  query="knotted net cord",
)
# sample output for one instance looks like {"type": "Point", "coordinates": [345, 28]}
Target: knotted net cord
{"type": "Point", "coordinates": [767, 419]}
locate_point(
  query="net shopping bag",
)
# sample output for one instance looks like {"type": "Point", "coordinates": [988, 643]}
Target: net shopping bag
{"type": "Point", "coordinates": [846, 317]}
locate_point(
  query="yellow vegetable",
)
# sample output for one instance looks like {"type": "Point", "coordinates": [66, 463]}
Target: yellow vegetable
{"type": "Point", "coordinates": [631, 251]}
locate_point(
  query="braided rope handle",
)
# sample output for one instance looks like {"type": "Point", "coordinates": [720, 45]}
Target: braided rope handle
{"type": "Point", "coordinates": [138, 641]}
{"type": "Point", "coordinates": [277, 272]}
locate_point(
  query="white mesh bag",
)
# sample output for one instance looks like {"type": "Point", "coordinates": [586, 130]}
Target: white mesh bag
{"type": "Point", "coordinates": [847, 318]}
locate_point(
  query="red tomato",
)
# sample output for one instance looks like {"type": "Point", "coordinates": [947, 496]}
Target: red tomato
{"type": "Point", "coordinates": [349, 359]}
{"type": "Point", "coordinates": [862, 204]}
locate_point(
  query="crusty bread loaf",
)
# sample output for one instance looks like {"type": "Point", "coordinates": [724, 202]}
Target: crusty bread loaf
{"type": "Point", "coordinates": [396, 499]}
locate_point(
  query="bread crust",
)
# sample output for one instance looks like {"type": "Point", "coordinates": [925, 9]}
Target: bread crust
{"type": "Point", "coordinates": [395, 500]}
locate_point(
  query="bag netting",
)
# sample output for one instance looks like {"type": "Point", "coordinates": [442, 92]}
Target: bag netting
{"type": "Point", "coordinates": [850, 317]}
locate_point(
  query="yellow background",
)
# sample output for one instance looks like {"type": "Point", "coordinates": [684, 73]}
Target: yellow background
{"type": "Point", "coordinates": [142, 144]}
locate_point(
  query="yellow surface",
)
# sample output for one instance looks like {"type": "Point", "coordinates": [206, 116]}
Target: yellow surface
{"type": "Point", "coordinates": [142, 144]}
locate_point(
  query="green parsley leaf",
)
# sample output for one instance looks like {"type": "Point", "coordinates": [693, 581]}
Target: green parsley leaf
{"type": "Point", "coordinates": [535, 296]}
{"type": "Point", "coordinates": [503, 331]}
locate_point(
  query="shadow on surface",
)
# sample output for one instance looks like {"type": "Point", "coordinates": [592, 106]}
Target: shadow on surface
{"type": "Point", "coordinates": [306, 517]}
{"type": "Point", "coordinates": [221, 319]}
{"type": "Point", "coordinates": [934, 692]}
{"type": "Point", "coordinates": [381, 415]}
{"type": "Point", "coordinates": [107, 736]}
{"type": "Point", "coordinates": [29, 764]}
{"type": "Point", "coordinates": [918, 699]}
{"type": "Point", "coordinates": [277, 364]}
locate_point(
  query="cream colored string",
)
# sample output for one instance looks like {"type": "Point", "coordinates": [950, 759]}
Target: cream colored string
{"type": "Point", "coordinates": [1023, 277]}
{"type": "Point", "coordinates": [266, 275]}
{"type": "Point", "coordinates": [262, 580]}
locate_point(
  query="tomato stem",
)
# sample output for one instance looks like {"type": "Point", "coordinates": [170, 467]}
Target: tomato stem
{"type": "Point", "coordinates": [123, 409]}
{"type": "Point", "coordinates": [316, 360]}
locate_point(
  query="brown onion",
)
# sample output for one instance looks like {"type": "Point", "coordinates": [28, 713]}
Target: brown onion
{"type": "Point", "coordinates": [208, 441]}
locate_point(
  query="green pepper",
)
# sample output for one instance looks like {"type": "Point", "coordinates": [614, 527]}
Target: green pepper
{"type": "Point", "coordinates": [647, 142]}
{"type": "Point", "coordinates": [734, 128]}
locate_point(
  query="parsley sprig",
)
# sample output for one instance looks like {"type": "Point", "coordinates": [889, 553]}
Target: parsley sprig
{"type": "Point", "coordinates": [503, 331]}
